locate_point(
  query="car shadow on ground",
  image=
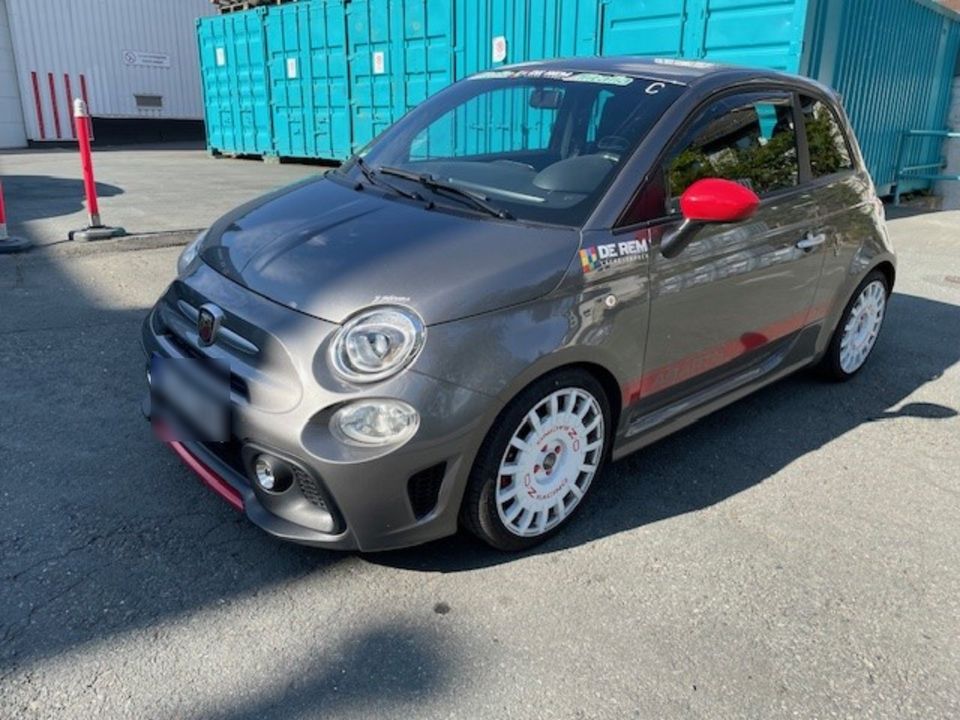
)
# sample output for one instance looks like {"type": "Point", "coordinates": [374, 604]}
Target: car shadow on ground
{"type": "Point", "coordinates": [745, 443]}
{"type": "Point", "coordinates": [108, 535]}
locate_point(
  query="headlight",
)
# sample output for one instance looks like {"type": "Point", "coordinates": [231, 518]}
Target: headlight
{"type": "Point", "coordinates": [375, 422]}
{"type": "Point", "coordinates": [189, 254]}
{"type": "Point", "coordinates": [377, 343]}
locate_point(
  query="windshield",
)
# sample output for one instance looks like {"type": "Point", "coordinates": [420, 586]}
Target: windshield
{"type": "Point", "coordinates": [533, 144]}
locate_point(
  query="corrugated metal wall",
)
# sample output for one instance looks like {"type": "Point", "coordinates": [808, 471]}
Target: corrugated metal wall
{"type": "Point", "coordinates": [116, 48]}
{"type": "Point", "coordinates": [893, 62]}
{"type": "Point", "coordinates": [12, 131]}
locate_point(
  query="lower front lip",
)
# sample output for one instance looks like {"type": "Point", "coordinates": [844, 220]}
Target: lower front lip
{"type": "Point", "coordinates": [213, 481]}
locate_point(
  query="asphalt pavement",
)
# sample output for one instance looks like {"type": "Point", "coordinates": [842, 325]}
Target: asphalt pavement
{"type": "Point", "coordinates": [142, 188]}
{"type": "Point", "coordinates": [794, 555]}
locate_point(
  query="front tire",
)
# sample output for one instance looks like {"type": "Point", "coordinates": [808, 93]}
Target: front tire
{"type": "Point", "coordinates": [858, 329]}
{"type": "Point", "coordinates": [538, 462]}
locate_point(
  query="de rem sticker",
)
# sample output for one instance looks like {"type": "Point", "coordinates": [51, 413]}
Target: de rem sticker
{"type": "Point", "coordinates": [221, 54]}
{"type": "Point", "coordinates": [291, 68]}
{"type": "Point", "coordinates": [602, 257]}
{"type": "Point", "coordinates": [379, 64]}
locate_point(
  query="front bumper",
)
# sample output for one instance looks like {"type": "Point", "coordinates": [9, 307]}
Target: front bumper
{"type": "Point", "coordinates": [281, 399]}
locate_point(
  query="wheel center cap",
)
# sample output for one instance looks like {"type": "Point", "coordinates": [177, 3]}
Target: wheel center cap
{"type": "Point", "coordinates": [549, 461]}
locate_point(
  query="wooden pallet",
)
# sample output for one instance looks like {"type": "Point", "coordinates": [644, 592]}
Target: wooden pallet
{"type": "Point", "coordinates": [229, 6]}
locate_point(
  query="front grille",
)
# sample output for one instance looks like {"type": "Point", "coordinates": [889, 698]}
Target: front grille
{"type": "Point", "coordinates": [237, 384]}
{"type": "Point", "coordinates": [310, 488]}
{"type": "Point", "coordinates": [229, 453]}
{"type": "Point", "coordinates": [423, 489]}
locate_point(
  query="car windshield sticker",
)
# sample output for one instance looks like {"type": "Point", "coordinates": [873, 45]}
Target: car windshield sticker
{"type": "Point", "coordinates": [563, 75]}
{"type": "Point", "coordinates": [600, 79]}
{"type": "Point", "coordinates": [684, 63]}
{"type": "Point", "coordinates": [601, 257]}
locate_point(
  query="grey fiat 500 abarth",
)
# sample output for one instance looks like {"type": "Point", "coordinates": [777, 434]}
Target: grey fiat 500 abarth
{"type": "Point", "coordinates": [540, 268]}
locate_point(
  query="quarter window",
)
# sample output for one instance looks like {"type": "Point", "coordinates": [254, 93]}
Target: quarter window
{"type": "Point", "coordinates": [829, 152]}
{"type": "Point", "coordinates": [750, 139]}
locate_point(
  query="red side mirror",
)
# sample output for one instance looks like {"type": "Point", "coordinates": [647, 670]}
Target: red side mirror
{"type": "Point", "coordinates": [713, 200]}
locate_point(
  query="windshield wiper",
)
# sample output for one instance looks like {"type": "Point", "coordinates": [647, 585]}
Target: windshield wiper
{"type": "Point", "coordinates": [439, 186]}
{"type": "Point", "coordinates": [372, 178]}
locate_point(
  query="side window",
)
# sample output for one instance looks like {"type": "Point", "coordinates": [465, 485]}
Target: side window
{"type": "Point", "coordinates": [829, 152]}
{"type": "Point", "coordinates": [750, 139]}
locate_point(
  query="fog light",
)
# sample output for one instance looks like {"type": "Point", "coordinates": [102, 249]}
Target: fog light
{"type": "Point", "coordinates": [375, 422]}
{"type": "Point", "coordinates": [272, 475]}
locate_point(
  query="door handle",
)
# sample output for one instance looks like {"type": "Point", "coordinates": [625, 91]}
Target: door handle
{"type": "Point", "coordinates": [810, 241]}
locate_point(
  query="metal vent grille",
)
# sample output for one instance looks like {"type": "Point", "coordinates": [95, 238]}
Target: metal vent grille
{"type": "Point", "coordinates": [149, 101]}
{"type": "Point", "coordinates": [310, 488]}
{"type": "Point", "coordinates": [423, 489]}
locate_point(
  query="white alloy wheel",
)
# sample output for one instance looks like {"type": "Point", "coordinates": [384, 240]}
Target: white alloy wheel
{"type": "Point", "coordinates": [550, 461]}
{"type": "Point", "coordinates": [863, 326]}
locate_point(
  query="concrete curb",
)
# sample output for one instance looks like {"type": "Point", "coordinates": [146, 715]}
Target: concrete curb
{"type": "Point", "coordinates": [128, 243]}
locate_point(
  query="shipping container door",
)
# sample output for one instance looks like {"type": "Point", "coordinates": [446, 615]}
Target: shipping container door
{"type": "Point", "coordinates": [307, 67]}
{"type": "Point", "coordinates": [401, 52]}
{"type": "Point", "coordinates": [758, 33]}
{"type": "Point", "coordinates": [652, 27]}
{"type": "Point", "coordinates": [235, 89]}
{"type": "Point", "coordinates": [286, 26]}
{"type": "Point", "coordinates": [372, 72]}
{"type": "Point", "coordinates": [329, 83]}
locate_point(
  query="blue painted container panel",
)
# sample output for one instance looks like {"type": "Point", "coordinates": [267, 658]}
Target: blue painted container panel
{"type": "Point", "coordinates": [235, 89]}
{"type": "Point", "coordinates": [893, 62]}
{"type": "Point", "coordinates": [400, 52]}
{"type": "Point", "coordinates": [760, 33]}
{"type": "Point", "coordinates": [307, 68]}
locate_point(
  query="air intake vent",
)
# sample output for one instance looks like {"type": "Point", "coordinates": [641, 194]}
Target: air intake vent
{"type": "Point", "coordinates": [309, 488]}
{"type": "Point", "coordinates": [423, 488]}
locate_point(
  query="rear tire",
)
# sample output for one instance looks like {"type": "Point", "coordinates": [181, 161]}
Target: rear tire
{"type": "Point", "coordinates": [538, 462]}
{"type": "Point", "coordinates": [859, 327]}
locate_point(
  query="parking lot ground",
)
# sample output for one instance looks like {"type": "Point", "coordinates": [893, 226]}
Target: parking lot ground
{"type": "Point", "coordinates": [794, 555]}
{"type": "Point", "coordinates": [144, 189]}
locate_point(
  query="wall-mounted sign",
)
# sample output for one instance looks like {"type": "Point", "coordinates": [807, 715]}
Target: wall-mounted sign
{"type": "Point", "coordinates": [138, 58]}
{"type": "Point", "coordinates": [379, 64]}
{"type": "Point", "coordinates": [499, 49]}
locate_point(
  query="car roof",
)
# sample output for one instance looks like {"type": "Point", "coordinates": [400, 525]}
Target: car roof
{"type": "Point", "coordinates": [681, 72]}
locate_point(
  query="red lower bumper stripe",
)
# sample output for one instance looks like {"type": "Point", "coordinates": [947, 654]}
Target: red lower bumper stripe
{"type": "Point", "coordinates": [689, 367]}
{"type": "Point", "coordinates": [209, 477]}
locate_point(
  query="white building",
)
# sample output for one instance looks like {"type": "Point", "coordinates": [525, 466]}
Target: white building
{"type": "Point", "coordinates": [134, 61]}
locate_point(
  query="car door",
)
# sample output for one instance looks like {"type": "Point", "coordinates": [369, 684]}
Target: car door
{"type": "Point", "coordinates": [729, 307]}
{"type": "Point", "coordinates": [846, 204]}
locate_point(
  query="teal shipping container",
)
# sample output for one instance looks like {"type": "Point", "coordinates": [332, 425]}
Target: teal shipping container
{"type": "Point", "coordinates": [307, 71]}
{"type": "Point", "coordinates": [336, 73]}
{"type": "Point", "coordinates": [234, 79]}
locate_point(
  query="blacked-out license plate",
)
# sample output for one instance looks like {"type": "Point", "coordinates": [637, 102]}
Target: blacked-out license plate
{"type": "Point", "coordinates": [191, 397]}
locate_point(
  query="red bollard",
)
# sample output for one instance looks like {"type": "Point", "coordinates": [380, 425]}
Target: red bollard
{"type": "Point", "coordinates": [96, 230]}
{"type": "Point", "coordinates": [9, 244]}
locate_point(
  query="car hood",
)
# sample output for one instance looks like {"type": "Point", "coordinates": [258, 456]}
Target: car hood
{"type": "Point", "coordinates": [327, 250]}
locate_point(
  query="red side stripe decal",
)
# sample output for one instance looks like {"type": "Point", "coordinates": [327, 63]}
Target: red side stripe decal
{"type": "Point", "coordinates": [66, 85]}
{"type": "Point", "coordinates": [39, 105]}
{"type": "Point", "coordinates": [689, 367]}
{"type": "Point", "coordinates": [53, 103]}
